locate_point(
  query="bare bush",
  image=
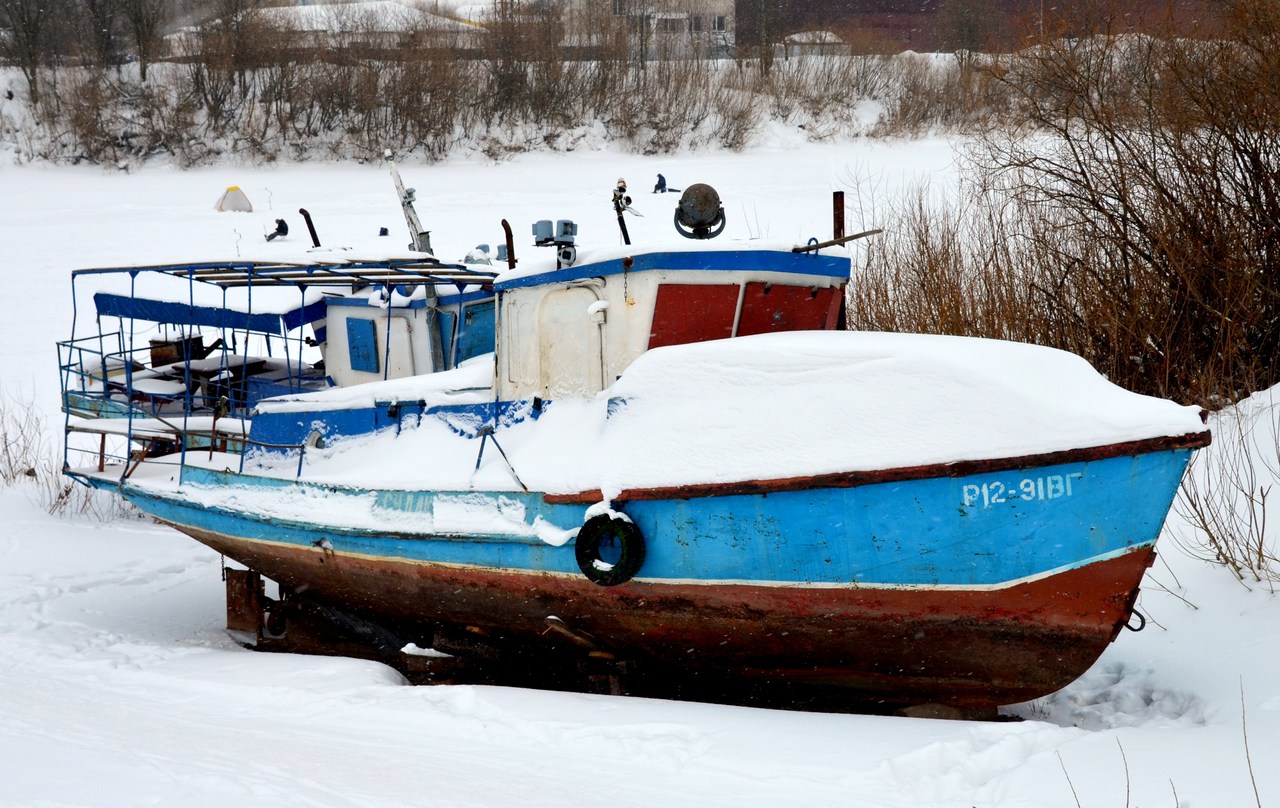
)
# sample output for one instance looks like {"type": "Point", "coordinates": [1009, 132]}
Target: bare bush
{"type": "Point", "coordinates": [667, 104]}
{"type": "Point", "coordinates": [28, 458]}
{"type": "Point", "coordinates": [817, 93]}
{"type": "Point", "coordinates": [737, 118]}
{"type": "Point", "coordinates": [60, 496]}
{"type": "Point", "coordinates": [928, 275]}
{"type": "Point", "coordinates": [22, 442]}
{"type": "Point", "coordinates": [1160, 156]}
{"type": "Point", "coordinates": [1225, 500]}
{"type": "Point", "coordinates": [927, 93]}
{"type": "Point", "coordinates": [243, 83]}
{"type": "Point", "coordinates": [1125, 212]}
{"type": "Point", "coordinates": [103, 119]}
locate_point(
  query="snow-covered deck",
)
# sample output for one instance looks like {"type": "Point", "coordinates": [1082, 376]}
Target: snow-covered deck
{"type": "Point", "coordinates": [765, 407]}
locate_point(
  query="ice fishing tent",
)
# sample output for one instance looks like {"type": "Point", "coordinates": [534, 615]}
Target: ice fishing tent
{"type": "Point", "coordinates": [234, 199]}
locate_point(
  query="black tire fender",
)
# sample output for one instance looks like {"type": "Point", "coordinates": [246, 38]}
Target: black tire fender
{"type": "Point", "coordinates": [606, 530]}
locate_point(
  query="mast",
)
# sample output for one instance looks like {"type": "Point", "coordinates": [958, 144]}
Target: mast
{"type": "Point", "coordinates": [421, 238]}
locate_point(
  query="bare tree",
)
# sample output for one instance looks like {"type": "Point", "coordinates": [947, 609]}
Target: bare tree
{"type": "Point", "coordinates": [98, 25]}
{"type": "Point", "coordinates": [969, 26]}
{"type": "Point", "coordinates": [28, 43]}
{"type": "Point", "coordinates": [761, 26]}
{"type": "Point", "coordinates": [145, 20]}
{"type": "Point", "coordinates": [1124, 209]}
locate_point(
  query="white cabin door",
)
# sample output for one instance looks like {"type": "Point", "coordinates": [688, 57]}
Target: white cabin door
{"type": "Point", "coordinates": [400, 359]}
{"type": "Point", "coordinates": [569, 345]}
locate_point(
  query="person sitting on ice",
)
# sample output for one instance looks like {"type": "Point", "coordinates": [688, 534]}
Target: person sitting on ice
{"type": "Point", "coordinates": [282, 229]}
{"type": "Point", "coordinates": [661, 187]}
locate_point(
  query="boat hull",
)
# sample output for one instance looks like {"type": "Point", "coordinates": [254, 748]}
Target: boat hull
{"type": "Point", "coordinates": [932, 589]}
{"type": "Point", "coordinates": [895, 647]}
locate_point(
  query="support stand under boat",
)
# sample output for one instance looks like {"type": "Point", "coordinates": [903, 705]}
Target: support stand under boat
{"type": "Point", "coordinates": [563, 658]}
{"type": "Point", "coordinates": [295, 624]}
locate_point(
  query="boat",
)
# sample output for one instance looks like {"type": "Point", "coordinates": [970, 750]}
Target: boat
{"type": "Point", "coordinates": [653, 466]}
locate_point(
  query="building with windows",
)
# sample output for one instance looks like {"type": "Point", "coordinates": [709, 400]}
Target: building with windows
{"type": "Point", "coordinates": [676, 28]}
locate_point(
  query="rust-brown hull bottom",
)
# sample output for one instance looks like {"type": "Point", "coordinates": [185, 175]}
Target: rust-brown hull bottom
{"type": "Point", "coordinates": [960, 647]}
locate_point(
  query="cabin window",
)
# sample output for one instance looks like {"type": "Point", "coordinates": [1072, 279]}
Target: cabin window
{"type": "Point", "coordinates": [475, 332]}
{"type": "Point", "coordinates": [448, 322]}
{"type": "Point", "coordinates": [768, 307]}
{"type": "Point", "coordinates": [693, 313]}
{"type": "Point", "coordinates": [686, 313]}
{"type": "Point", "coordinates": [720, 23]}
{"type": "Point", "coordinates": [362, 344]}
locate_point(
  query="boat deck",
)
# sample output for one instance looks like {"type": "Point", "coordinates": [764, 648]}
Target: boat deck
{"type": "Point", "coordinates": [160, 442]}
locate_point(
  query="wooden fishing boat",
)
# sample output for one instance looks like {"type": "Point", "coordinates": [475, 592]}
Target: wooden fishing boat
{"type": "Point", "coordinates": [674, 463]}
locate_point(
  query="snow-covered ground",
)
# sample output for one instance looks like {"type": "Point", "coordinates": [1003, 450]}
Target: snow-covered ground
{"type": "Point", "coordinates": [118, 686]}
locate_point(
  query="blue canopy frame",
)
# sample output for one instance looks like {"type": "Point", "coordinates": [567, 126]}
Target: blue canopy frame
{"type": "Point", "coordinates": [166, 311]}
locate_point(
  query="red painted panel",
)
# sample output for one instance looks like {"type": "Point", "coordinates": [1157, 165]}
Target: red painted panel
{"type": "Point", "coordinates": [687, 313]}
{"type": "Point", "coordinates": [773, 307]}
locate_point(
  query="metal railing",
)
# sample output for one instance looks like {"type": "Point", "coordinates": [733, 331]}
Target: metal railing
{"type": "Point", "coordinates": [154, 443]}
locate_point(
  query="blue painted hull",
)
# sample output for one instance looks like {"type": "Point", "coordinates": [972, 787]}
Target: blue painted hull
{"type": "Point", "coordinates": [928, 532]}
{"type": "Point", "coordinates": [985, 588]}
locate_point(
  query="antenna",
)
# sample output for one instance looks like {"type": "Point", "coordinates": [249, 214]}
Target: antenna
{"type": "Point", "coordinates": [421, 239]}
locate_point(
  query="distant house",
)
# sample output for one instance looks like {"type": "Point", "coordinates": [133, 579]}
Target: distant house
{"type": "Point", "coordinates": [679, 28]}
{"type": "Point", "coordinates": [586, 29]}
{"type": "Point", "coordinates": [814, 43]}
{"type": "Point", "coordinates": [374, 25]}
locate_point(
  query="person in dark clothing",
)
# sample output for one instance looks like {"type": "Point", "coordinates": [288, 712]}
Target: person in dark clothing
{"type": "Point", "coordinates": [282, 229]}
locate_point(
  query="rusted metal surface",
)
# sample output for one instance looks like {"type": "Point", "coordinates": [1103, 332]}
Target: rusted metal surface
{"type": "Point", "coordinates": [837, 215]}
{"type": "Point", "coordinates": [962, 647]}
{"type": "Point", "coordinates": [850, 479]}
{"type": "Point", "coordinates": [244, 600]}
{"type": "Point", "coordinates": [804, 248]}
